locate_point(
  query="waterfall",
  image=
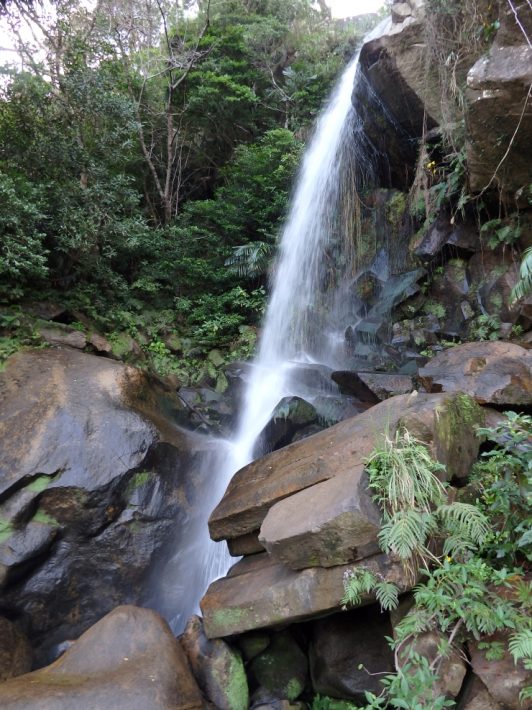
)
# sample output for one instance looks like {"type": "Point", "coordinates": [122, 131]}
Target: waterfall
{"type": "Point", "coordinates": [304, 323]}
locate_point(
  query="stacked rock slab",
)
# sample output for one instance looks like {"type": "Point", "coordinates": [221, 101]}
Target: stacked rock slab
{"type": "Point", "coordinates": [311, 504]}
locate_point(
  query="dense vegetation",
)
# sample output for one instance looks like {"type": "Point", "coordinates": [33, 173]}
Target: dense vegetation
{"type": "Point", "coordinates": [140, 145]}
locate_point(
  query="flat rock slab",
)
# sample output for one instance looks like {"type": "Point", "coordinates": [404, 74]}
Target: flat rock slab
{"type": "Point", "coordinates": [334, 452]}
{"type": "Point", "coordinates": [260, 593]}
{"type": "Point", "coordinates": [331, 523]}
{"type": "Point", "coordinates": [129, 660]}
{"type": "Point", "coordinates": [492, 372]}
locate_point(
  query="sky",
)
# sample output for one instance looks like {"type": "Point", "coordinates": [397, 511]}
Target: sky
{"type": "Point", "coordinates": [348, 8]}
{"type": "Point", "coordinates": [339, 8]}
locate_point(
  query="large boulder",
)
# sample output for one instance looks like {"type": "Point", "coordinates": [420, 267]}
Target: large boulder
{"type": "Point", "coordinates": [492, 372]}
{"type": "Point", "coordinates": [129, 660]}
{"type": "Point", "coordinates": [335, 452]}
{"type": "Point", "coordinates": [218, 668]}
{"type": "Point", "coordinates": [260, 593]}
{"type": "Point", "coordinates": [349, 652]}
{"type": "Point", "coordinates": [93, 482]}
{"type": "Point", "coordinates": [499, 116]}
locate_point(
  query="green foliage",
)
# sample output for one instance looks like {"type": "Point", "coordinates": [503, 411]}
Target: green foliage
{"type": "Point", "coordinates": [503, 483]}
{"type": "Point", "coordinates": [501, 232]}
{"type": "Point", "coordinates": [471, 590]}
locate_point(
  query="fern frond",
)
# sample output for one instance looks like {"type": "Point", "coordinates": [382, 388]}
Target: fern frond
{"type": "Point", "coordinates": [387, 595]}
{"type": "Point", "coordinates": [465, 520]}
{"type": "Point", "coordinates": [405, 533]}
{"type": "Point", "coordinates": [524, 286]}
{"type": "Point", "coordinates": [520, 645]}
{"type": "Point", "coordinates": [356, 583]}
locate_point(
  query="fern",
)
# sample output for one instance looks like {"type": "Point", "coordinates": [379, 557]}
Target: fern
{"type": "Point", "coordinates": [520, 646]}
{"type": "Point", "coordinates": [357, 583]}
{"type": "Point", "coordinates": [464, 520]}
{"type": "Point", "coordinates": [405, 533]}
{"type": "Point", "coordinates": [387, 595]}
{"type": "Point", "coordinates": [524, 286]}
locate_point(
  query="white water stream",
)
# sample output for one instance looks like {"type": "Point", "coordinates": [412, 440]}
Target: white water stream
{"type": "Point", "coordinates": [299, 323]}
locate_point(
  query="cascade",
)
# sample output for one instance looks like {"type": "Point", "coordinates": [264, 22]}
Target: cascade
{"type": "Point", "coordinates": [305, 320]}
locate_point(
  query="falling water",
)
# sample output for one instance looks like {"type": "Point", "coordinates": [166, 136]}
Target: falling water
{"type": "Point", "coordinates": [316, 254]}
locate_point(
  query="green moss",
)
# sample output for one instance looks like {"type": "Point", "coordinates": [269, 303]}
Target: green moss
{"type": "Point", "coordinates": [229, 619]}
{"type": "Point", "coordinates": [138, 479]}
{"type": "Point", "coordinates": [39, 484]}
{"type": "Point", "coordinates": [237, 686]}
{"type": "Point", "coordinates": [42, 517]}
{"type": "Point", "coordinates": [6, 530]}
{"type": "Point", "coordinates": [395, 209]}
{"type": "Point", "coordinates": [293, 689]}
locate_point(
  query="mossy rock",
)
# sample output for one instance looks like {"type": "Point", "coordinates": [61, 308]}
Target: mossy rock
{"type": "Point", "coordinates": [282, 667]}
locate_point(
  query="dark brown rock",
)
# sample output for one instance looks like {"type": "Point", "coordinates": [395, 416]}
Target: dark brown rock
{"type": "Point", "coordinates": [344, 641]}
{"type": "Point", "coordinates": [491, 372]}
{"type": "Point", "coordinates": [15, 651]}
{"type": "Point", "coordinates": [218, 668]}
{"type": "Point", "coordinates": [259, 593]}
{"type": "Point", "coordinates": [331, 523]}
{"type": "Point", "coordinates": [129, 660]}
{"type": "Point", "coordinates": [352, 383]}
{"type": "Point", "coordinates": [93, 478]}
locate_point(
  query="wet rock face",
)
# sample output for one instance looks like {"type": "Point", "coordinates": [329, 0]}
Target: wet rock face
{"type": "Point", "coordinates": [92, 484]}
{"type": "Point", "coordinates": [129, 661]}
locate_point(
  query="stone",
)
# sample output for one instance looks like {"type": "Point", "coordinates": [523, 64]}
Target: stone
{"type": "Point", "coordinates": [253, 643]}
{"type": "Point", "coordinates": [477, 697]}
{"type": "Point", "coordinates": [248, 544]}
{"type": "Point", "coordinates": [492, 276]}
{"type": "Point", "coordinates": [59, 334]}
{"type": "Point", "coordinates": [400, 11]}
{"type": "Point", "coordinates": [264, 699]}
{"type": "Point", "coordinates": [99, 343]}
{"type": "Point", "coordinates": [332, 409]}
{"type": "Point", "coordinates": [15, 651]}
{"type": "Point", "coordinates": [217, 667]}
{"type": "Point", "coordinates": [492, 372]}
{"type": "Point", "coordinates": [335, 451]}
{"type": "Point", "coordinates": [282, 668]}
{"type": "Point", "coordinates": [498, 89]}
{"type": "Point", "coordinates": [129, 660]}
{"type": "Point", "coordinates": [437, 234]}
{"type": "Point", "coordinates": [259, 593]}
{"type": "Point", "coordinates": [288, 417]}
{"type": "Point", "coordinates": [451, 670]}
{"type": "Point", "coordinates": [385, 385]}
{"type": "Point", "coordinates": [331, 523]}
{"type": "Point", "coordinates": [95, 481]}
{"type": "Point", "coordinates": [353, 384]}
{"type": "Point", "coordinates": [503, 678]}
{"type": "Point", "coordinates": [342, 642]}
